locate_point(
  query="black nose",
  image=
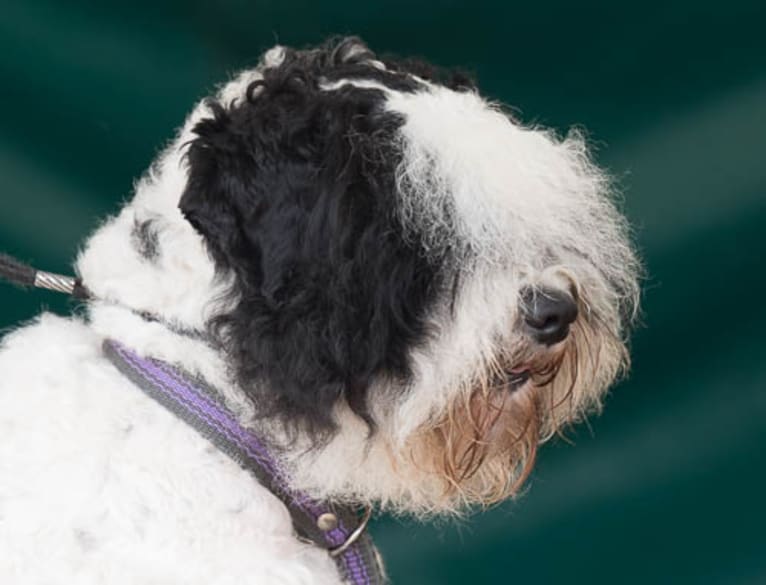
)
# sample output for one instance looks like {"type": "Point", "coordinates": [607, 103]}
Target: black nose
{"type": "Point", "coordinates": [548, 314]}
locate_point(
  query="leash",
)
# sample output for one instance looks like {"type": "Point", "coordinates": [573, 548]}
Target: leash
{"type": "Point", "coordinates": [335, 528]}
{"type": "Point", "coordinates": [23, 275]}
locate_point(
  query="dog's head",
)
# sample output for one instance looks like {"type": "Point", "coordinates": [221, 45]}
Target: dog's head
{"type": "Point", "coordinates": [397, 247]}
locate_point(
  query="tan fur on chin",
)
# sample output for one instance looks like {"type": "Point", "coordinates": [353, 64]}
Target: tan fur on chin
{"type": "Point", "coordinates": [483, 448]}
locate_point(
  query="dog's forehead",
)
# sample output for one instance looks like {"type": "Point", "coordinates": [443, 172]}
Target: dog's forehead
{"type": "Point", "coordinates": [471, 177]}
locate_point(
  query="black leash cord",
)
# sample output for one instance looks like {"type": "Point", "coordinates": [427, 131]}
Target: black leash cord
{"type": "Point", "coordinates": [16, 271]}
{"type": "Point", "coordinates": [20, 274]}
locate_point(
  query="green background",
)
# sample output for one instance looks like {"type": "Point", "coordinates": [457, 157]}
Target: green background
{"type": "Point", "coordinates": [668, 485]}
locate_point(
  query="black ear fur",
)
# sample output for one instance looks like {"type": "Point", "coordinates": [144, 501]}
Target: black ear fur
{"type": "Point", "coordinates": [294, 192]}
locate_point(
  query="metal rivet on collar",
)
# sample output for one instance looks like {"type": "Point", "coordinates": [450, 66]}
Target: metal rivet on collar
{"type": "Point", "coordinates": [327, 521]}
{"type": "Point", "coordinates": [354, 536]}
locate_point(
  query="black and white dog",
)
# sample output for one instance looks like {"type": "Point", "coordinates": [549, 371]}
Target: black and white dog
{"type": "Point", "coordinates": [404, 289]}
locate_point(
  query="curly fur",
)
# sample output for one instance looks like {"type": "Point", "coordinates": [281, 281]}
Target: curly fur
{"type": "Point", "coordinates": [291, 189]}
{"type": "Point", "coordinates": [358, 236]}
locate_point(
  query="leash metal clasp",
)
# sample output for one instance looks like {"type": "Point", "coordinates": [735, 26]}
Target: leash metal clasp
{"type": "Point", "coordinates": [354, 536]}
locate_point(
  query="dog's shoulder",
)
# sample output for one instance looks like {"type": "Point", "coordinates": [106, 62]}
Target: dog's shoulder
{"type": "Point", "coordinates": [90, 465]}
{"type": "Point", "coordinates": [47, 341]}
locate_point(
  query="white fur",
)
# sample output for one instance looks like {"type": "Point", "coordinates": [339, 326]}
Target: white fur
{"type": "Point", "coordinates": [100, 485]}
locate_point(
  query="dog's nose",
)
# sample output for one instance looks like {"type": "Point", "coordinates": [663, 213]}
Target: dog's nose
{"type": "Point", "coordinates": [548, 314]}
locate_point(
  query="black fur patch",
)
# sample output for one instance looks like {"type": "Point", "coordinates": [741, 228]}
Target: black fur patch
{"type": "Point", "coordinates": [455, 79]}
{"type": "Point", "coordinates": [293, 190]}
{"type": "Point", "coordinates": [145, 239]}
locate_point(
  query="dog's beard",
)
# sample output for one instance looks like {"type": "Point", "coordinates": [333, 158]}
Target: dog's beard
{"type": "Point", "coordinates": [483, 447]}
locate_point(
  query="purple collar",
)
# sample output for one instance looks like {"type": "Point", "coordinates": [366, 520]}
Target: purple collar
{"type": "Point", "coordinates": [335, 528]}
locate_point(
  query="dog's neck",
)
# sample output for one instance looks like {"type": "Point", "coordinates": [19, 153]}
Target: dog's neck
{"type": "Point", "coordinates": [352, 467]}
{"type": "Point", "coordinates": [178, 287]}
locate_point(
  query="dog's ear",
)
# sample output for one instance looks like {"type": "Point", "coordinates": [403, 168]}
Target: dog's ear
{"type": "Point", "coordinates": [213, 187]}
{"type": "Point", "coordinates": [294, 191]}
{"type": "Point", "coordinates": [237, 148]}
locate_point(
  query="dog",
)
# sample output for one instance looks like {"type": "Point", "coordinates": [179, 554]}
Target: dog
{"type": "Point", "coordinates": [396, 284]}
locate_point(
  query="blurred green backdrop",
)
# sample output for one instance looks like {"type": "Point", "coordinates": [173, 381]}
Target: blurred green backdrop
{"type": "Point", "coordinates": [668, 485]}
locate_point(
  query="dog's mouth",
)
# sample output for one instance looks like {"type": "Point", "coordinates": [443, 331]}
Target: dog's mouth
{"type": "Point", "coordinates": [517, 377]}
{"type": "Point", "coordinates": [538, 370]}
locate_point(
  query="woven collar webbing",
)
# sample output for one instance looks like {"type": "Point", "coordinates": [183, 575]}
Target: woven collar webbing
{"type": "Point", "coordinates": [201, 406]}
